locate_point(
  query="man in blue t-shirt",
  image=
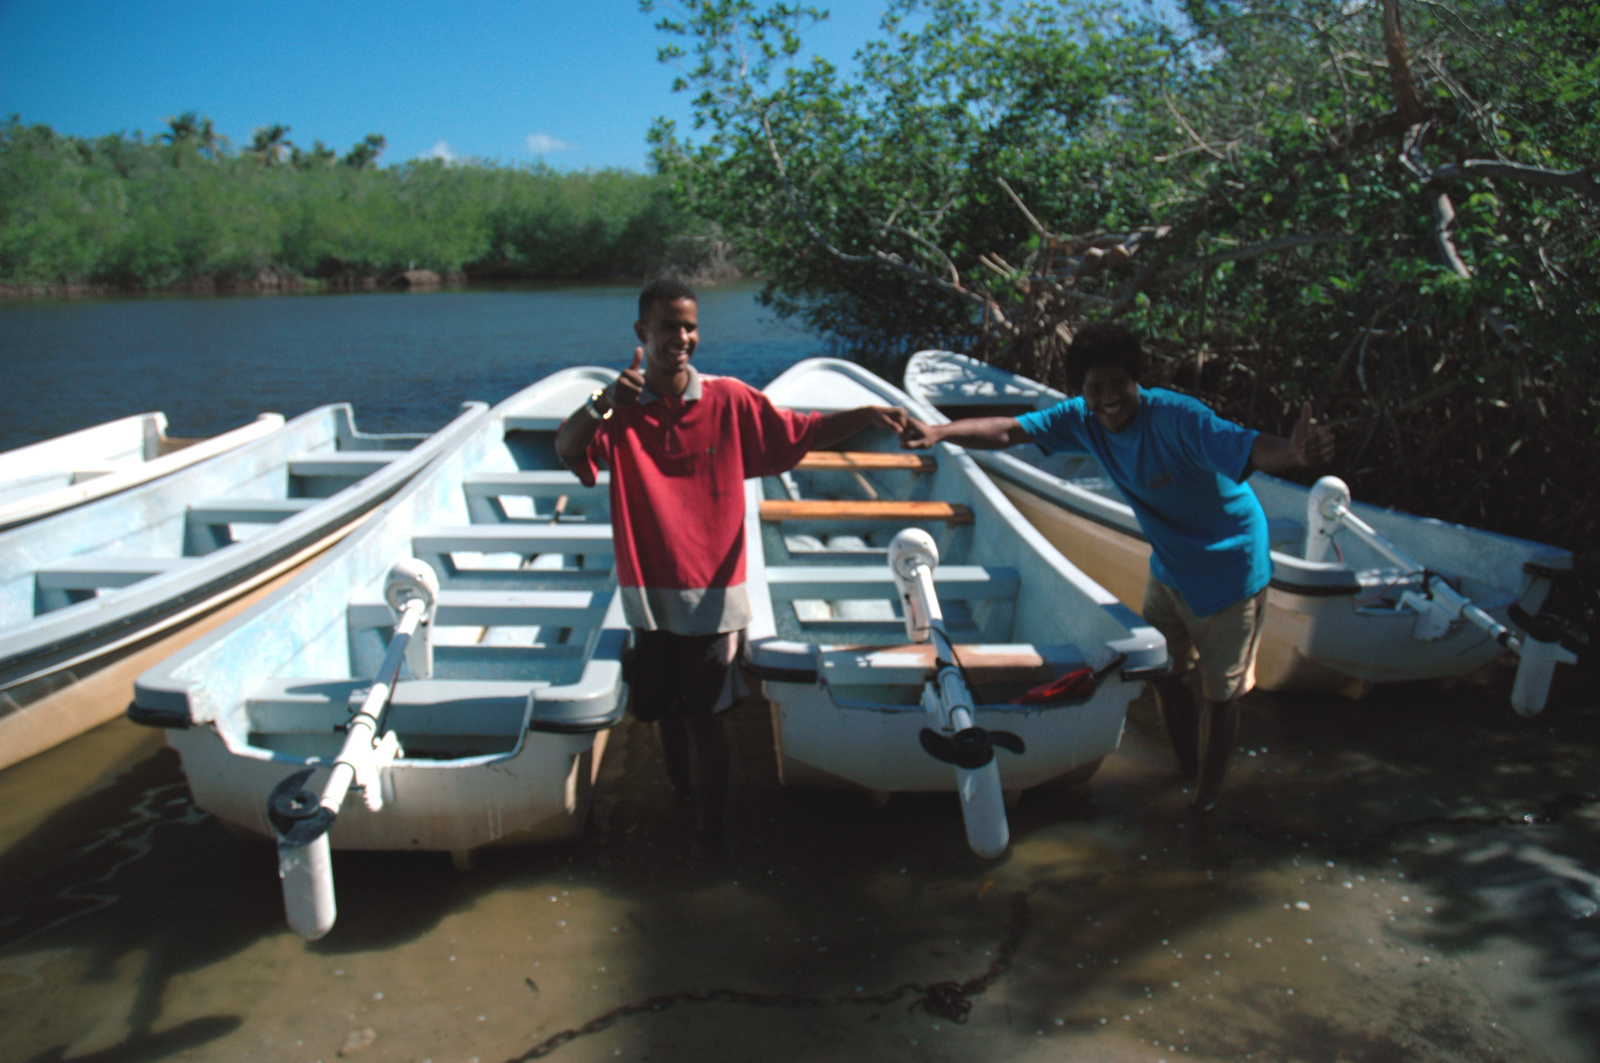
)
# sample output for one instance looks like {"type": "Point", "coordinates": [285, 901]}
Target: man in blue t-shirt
{"type": "Point", "coordinates": [1182, 469]}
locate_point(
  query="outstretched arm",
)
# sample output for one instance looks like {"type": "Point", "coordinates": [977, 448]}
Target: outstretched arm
{"type": "Point", "coordinates": [842, 424]}
{"type": "Point", "coordinates": [1308, 444]}
{"type": "Point", "coordinates": [981, 433]}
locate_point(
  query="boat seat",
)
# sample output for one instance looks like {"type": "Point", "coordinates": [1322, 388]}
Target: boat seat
{"type": "Point", "coordinates": [206, 523]}
{"type": "Point", "coordinates": [495, 609]}
{"type": "Point", "coordinates": [532, 484]}
{"type": "Point", "coordinates": [247, 510]}
{"type": "Point", "coordinates": [487, 494]}
{"type": "Point", "coordinates": [344, 464]}
{"type": "Point", "coordinates": [777, 510]}
{"type": "Point", "coordinates": [435, 543]}
{"type": "Point", "coordinates": [512, 539]}
{"type": "Point", "coordinates": [984, 664]}
{"type": "Point", "coordinates": [532, 423]}
{"type": "Point", "coordinates": [856, 460]}
{"type": "Point", "coordinates": [74, 579]}
{"type": "Point", "coordinates": [830, 582]}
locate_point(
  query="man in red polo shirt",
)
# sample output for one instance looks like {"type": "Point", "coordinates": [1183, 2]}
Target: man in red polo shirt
{"type": "Point", "coordinates": [680, 445]}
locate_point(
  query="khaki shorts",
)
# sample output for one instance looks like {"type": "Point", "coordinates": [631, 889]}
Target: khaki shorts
{"type": "Point", "coordinates": [1224, 644]}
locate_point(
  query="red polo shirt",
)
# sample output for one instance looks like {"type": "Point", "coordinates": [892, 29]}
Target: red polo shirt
{"type": "Point", "coordinates": [678, 468]}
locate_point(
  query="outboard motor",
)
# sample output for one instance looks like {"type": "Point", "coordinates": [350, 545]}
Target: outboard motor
{"type": "Point", "coordinates": [954, 739]}
{"type": "Point", "coordinates": [303, 818]}
{"type": "Point", "coordinates": [1438, 604]}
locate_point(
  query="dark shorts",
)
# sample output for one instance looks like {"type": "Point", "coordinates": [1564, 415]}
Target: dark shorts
{"type": "Point", "coordinates": [679, 675]}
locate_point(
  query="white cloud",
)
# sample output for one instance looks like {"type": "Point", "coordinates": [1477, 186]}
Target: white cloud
{"type": "Point", "coordinates": [544, 144]}
{"type": "Point", "coordinates": [442, 150]}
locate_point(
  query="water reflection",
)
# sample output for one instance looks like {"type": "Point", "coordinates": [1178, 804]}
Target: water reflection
{"type": "Point", "coordinates": [1374, 892]}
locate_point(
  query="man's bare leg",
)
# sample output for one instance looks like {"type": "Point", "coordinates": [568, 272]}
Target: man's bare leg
{"type": "Point", "coordinates": [1219, 732]}
{"type": "Point", "coordinates": [674, 737]}
{"type": "Point", "coordinates": [708, 762]}
{"type": "Point", "coordinates": [1180, 711]}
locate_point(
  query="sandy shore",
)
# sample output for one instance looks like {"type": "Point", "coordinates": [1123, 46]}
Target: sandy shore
{"type": "Point", "coordinates": [1408, 878]}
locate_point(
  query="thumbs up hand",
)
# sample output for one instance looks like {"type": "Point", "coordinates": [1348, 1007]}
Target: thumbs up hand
{"type": "Point", "coordinates": [1312, 442]}
{"type": "Point", "coordinates": [627, 388]}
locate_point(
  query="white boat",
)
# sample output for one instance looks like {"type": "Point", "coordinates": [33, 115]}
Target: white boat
{"type": "Point", "coordinates": [90, 591]}
{"type": "Point", "coordinates": [490, 733]}
{"type": "Point", "coordinates": [1339, 623]}
{"type": "Point", "coordinates": [56, 474]}
{"type": "Point", "coordinates": [830, 642]}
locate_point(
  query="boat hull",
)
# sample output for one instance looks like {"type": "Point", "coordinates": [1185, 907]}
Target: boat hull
{"type": "Point", "coordinates": [538, 793]}
{"type": "Point", "coordinates": [825, 741]}
{"type": "Point", "coordinates": [1308, 642]}
{"type": "Point", "coordinates": [846, 690]}
{"type": "Point", "coordinates": [82, 589]}
{"type": "Point", "coordinates": [99, 691]}
{"type": "Point", "coordinates": [502, 737]}
{"type": "Point", "coordinates": [59, 474]}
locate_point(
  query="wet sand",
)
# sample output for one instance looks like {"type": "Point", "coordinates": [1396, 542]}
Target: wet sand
{"type": "Point", "coordinates": [1412, 877]}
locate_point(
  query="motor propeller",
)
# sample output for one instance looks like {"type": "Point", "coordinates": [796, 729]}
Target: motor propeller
{"type": "Point", "coordinates": [970, 747]}
{"type": "Point", "coordinates": [296, 813]}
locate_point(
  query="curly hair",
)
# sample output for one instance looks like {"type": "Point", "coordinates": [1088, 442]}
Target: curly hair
{"type": "Point", "coordinates": [1104, 343]}
{"type": "Point", "coordinates": [663, 290]}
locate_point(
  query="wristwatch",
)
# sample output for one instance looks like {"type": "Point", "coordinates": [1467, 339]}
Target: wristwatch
{"type": "Point", "coordinates": [593, 410]}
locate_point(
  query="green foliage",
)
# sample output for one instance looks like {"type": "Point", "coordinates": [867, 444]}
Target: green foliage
{"type": "Point", "coordinates": [130, 213]}
{"type": "Point", "coordinates": [1244, 184]}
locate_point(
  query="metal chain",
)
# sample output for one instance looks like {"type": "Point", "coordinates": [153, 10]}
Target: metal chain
{"type": "Point", "coordinates": [947, 1000]}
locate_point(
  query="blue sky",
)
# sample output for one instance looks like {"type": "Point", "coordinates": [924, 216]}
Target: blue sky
{"type": "Point", "coordinates": [575, 82]}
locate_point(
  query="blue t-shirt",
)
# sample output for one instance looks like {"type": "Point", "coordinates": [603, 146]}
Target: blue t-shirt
{"type": "Point", "coordinates": [1179, 466]}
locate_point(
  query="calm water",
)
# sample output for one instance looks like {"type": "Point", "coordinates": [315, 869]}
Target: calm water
{"type": "Point", "coordinates": [1412, 877]}
{"type": "Point", "coordinates": [405, 361]}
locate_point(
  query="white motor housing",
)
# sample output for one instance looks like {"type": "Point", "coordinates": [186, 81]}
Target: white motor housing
{"type": "Point", "coordinates": [913, 555]}
{"type": "Point", "coordinates": [412, 579]}
{"type": "Point", "coordinates": [1325, 506]}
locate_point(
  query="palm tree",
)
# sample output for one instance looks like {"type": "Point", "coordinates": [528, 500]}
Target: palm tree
{"type": "Point", "coordinates": [209, 142]}
{"type": "Point", "coordinates": [271, 144]}
{"type": "Point", "coordinates": [365, 154]}
{"type": "Point", "coordinates": [319, 155]}
{"type": "Point", "coordinates": [183, 128]}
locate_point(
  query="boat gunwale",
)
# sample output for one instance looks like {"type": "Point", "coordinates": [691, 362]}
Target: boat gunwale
{"type": "Point", "coordinates": [149, 605]}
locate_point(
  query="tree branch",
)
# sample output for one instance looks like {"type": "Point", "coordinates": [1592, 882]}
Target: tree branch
{"type": "Point", "coordinates": [876, 257]}
{"type": "Point", "coordinates": [1581, 180]}
{"type": "Point", "coordinates": [1394, 46]}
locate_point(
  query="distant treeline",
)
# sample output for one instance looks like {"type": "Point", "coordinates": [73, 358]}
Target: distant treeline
{"type": "Point", "coordinates": [182, 210]}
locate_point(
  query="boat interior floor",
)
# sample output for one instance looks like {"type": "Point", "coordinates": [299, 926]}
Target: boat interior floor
{"type": "Point", "coordinates": [525, 584]}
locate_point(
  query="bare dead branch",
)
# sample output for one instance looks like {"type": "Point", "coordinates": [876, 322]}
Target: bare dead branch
{"type": "Point", "coordinates": [1199, 142]}
{"type": "Point", "coordinates": [1038, 227]}
{"type": "Point", "coordinates": [1444, 219]}
{"type": "Point", "coordinates": [923, 241]}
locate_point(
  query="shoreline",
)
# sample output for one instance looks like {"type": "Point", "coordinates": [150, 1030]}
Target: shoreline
{"type": "Point", "coordinates": [279, 282]}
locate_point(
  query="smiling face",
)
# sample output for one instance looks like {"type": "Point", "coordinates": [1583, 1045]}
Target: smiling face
{"type": "Point", "coordinates": [1112, 395]}
{"type": "Point", "coordinates": [670, 332]}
